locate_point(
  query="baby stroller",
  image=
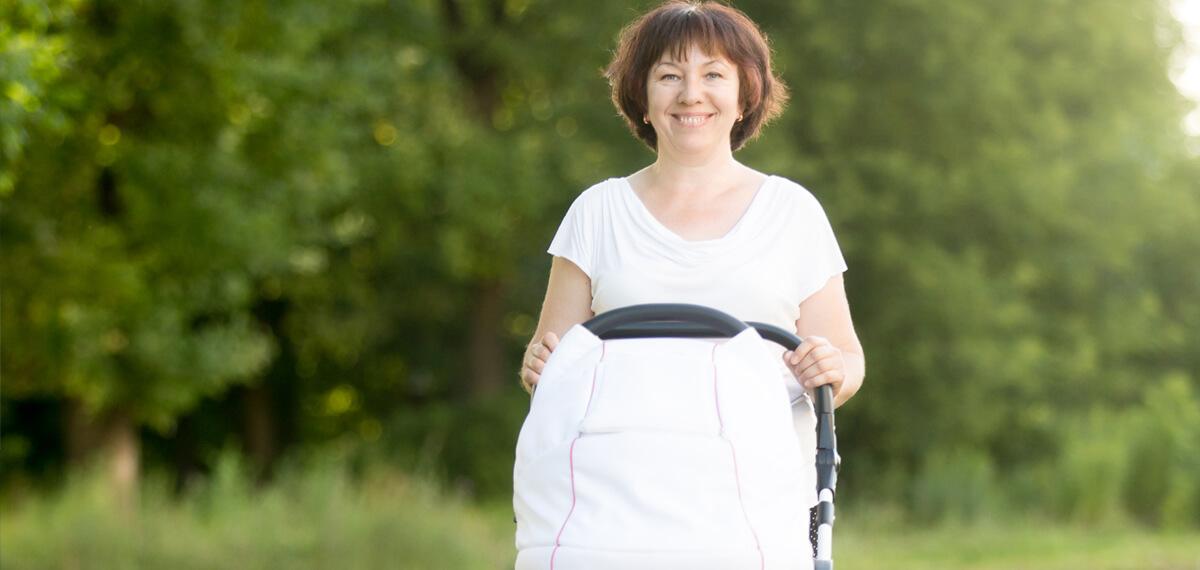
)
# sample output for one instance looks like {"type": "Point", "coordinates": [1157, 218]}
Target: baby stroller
{"type": "Point", "coordinates": [661, 436]}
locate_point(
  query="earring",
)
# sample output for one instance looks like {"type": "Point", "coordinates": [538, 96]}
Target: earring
{"type": "Point", "coordinates": [645, 119]}
{"type": "Point", "coordinates": [739, 117]}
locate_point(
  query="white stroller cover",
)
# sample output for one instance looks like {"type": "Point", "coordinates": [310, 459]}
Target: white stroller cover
{"type": "Point", "coordinates": [664, 453]}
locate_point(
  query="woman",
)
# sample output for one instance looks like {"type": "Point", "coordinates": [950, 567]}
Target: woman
{"type": "Point", "coordinates": [694, 83]}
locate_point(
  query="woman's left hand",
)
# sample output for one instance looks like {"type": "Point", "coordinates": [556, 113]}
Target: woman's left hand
{"type": "Point", "coordinates": [817, 362]}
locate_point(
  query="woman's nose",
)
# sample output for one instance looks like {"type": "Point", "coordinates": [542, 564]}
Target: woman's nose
{"type": "Point", "coordinates": [690, 92]}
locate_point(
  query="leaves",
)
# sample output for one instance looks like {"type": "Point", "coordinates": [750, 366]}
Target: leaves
{"type": "Point", "coordinates": [195, 195]}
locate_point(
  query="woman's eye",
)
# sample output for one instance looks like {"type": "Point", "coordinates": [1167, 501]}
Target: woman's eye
{"type": "Point", "coordinates": [669, 76]}
{"type": "Point", "coordinates": [713, 75]}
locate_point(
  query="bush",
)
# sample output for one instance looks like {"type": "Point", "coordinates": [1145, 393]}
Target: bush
{"type": "Point", "coordinates": [955, 487]}
{"type": "Point", "coordinates": [1163, 487]}
{"type": "Point", "coordinates": [1143, 461]}
{"type": "Point", "coordinates": [1084, 482]}
{"type": "Point", "coordinates": [317, 517]}
{"type": "Point", "coordinates": [1110, 467]}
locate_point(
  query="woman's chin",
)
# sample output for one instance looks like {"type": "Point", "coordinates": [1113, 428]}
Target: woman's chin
{"type": "Point", "coordinates": [694, 145]}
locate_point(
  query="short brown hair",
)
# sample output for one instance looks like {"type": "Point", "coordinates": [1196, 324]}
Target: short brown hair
{"type": "Point", "coordinates": [716, 29]}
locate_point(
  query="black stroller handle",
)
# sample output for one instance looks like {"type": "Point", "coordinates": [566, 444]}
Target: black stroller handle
{"type": "Point", "coordinates": [664, 320]}
{"type": "Point", "coordinates": [681, 320]}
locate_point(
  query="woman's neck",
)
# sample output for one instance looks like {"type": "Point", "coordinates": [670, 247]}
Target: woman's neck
{"type": "Point", "coordinates": [698, 179]}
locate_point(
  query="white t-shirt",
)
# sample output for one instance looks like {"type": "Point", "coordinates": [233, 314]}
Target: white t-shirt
{"type": "Point", "coordinates": [781, 251]}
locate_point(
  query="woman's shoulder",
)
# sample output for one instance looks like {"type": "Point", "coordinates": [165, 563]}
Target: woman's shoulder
{"type": "Point", "coordinates": [600, 195]}
{"type": "Point", "coordinates": [788, 193]}
{"type": "Point", "coordinates": [600, 190]}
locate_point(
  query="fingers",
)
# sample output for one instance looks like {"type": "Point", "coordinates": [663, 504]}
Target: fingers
{"type": "Point", "coordinates": [820, 359]}
{"type": "Point", "coordinates": [834, 378]}
{"type": "Point", "coordinates": [550, 341]}
{"type": "Point", "coordinates": [817, 362]}
{"type": "Point", "coordinates": [810, 343]}
{"type": "Point", "coordinates": [535, 360]}
{"type": "Point", "coordinates": [529, 379]}
{"type": "Point", "coordinates": [538, 355]}
{"type": "Point", "coordinates": [803, 356]}
{"type": "Point", "coordinates": [531, 372]}
{"type": "Point", "coordinates": [813, 350]}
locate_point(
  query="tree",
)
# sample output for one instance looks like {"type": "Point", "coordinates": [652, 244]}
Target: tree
{"type": "Point", "coordinates": [148, 207]}
{"type": "Point", "coordinates": [345, 208]}
{"type": "Point", "coordinates": [1000, 178]}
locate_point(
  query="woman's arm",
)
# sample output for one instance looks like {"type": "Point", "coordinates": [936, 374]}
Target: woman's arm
{"type": "Point", "coordinates": [568, 302]}
{"type": "Point", "coordinates": [831, 353]}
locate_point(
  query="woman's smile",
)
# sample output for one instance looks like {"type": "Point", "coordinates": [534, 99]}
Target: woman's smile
{"type": "Point", "coordinates": [692, 120]}
{"type": "Point", "coordinates": [692, 101]}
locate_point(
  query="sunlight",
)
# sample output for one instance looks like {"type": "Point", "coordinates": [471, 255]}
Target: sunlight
{"type": "Point", "coordinates": [1186, 71]}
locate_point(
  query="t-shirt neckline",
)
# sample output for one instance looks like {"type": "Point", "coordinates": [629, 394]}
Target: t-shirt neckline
{"type": "Point", "coordinates": [648, 216]}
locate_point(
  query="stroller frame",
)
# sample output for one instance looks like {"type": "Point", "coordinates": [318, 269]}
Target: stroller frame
{"type": "Point", "coordinates": [678, 320]}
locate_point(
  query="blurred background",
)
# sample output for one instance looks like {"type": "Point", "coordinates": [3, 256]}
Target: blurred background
{"type": "Point", "coordinates": [269, 267]}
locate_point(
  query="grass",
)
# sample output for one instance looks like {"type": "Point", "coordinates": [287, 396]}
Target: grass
{"type": "Point", "coordinates": [869, 540]}
{"type": "Point", "coordinates": [320, 517]}
{"type": "Point", "coordinates": [1027, 544]}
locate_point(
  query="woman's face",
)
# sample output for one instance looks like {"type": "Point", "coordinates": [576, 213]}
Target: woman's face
{"type": "Point", "coordinates": [693, 104]}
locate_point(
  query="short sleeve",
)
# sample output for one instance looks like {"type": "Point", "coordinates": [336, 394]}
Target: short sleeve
{"type": "Point", "coordinates": [575, 238]}
{"type": "Point", "coordinates": [823, 256]}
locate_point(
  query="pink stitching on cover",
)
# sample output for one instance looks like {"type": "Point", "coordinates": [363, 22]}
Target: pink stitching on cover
{"type": "Point", "coordinates": [571, 459]}
{"type": "Point", "coordinates": [762, 562]}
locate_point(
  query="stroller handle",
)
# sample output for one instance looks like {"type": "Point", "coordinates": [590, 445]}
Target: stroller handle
{"type": "Point", "coordinates": [664, 320]}
{"type": "Point", "coordinates": [682, 320]}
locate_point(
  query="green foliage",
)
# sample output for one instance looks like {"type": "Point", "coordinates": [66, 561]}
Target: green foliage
{"type": "Point", "coordinates": [1140, 461]}
{"type": "Point", "coordinates": [32, 49]}
{"type": "Point", "coordinates": [955, 488]}
{"type": "Point", "coordinates": [320, 516]}
{"type": "Point", "coordinates": [1085, 482]}
{"type": "Point", "coordinates": [1015, 200]}
{"type": "Point", "coordinates": [479, 446]}
{"type": "Point", "coordinates": [326, 197]}
{"type": "Point", "coordinates": [1163, 482]}
{"type": "Point", "coordinates": [860, 542]}
{"type": "Point", "coordinates": [316, 517]}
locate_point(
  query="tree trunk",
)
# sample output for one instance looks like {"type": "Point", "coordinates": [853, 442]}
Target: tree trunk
{"type": "Point", "coordinates": [268, 406]}
{"type": "Point", "coordinates": [258, 428]}
{"type": "Point", "coordinates": [487, 366]}
{"type": "Point", "coordinates": [121, 457]}
{"type": "Point", "coordinates": [80, 432]}
{"type": "Point", "coordinates": [109, 441]}
{"type": "Point", "coordinates": [183, 453]}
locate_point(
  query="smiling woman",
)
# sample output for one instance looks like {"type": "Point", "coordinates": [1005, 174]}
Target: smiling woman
{"type": "Point", "coordinates": [670, 36]}
{"type": "Point", "coordinates": [693, 81]}
{"type": "Point", "coordinates": [693, 102]}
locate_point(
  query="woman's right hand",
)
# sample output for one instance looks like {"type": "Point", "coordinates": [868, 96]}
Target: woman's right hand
{"type": "Point", "coordinates": [535, 360]}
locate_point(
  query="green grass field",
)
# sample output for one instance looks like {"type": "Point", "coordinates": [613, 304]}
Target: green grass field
{"type": "Point", "coordinates": [320, 518]}
{"type": "Point", "coordinates": [1019, 545]}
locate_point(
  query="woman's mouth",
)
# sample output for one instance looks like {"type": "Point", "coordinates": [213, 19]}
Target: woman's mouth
{"type": "Point", "coordinates": [692, 120]}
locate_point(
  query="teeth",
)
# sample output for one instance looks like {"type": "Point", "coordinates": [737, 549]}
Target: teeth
{"type": "Point", "coordinates": [692, 120]}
